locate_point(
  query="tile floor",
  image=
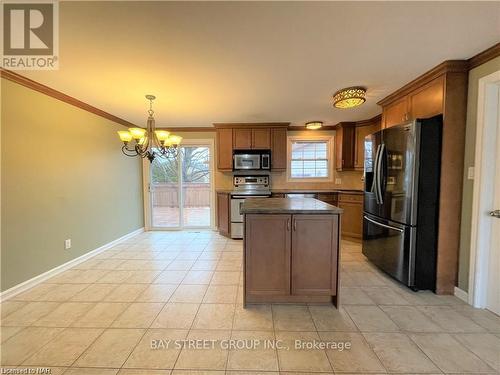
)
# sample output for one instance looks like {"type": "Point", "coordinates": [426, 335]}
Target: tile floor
{"type": "Point", "coordinates": [103, 316]}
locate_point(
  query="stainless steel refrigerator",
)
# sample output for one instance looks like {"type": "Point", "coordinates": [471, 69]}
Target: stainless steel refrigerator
{"type": "Point", "coordinates": [401, 201]}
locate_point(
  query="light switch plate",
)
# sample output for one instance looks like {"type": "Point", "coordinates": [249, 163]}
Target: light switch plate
{"type": "Point", "coordinates": [67, 244]}
{"type": "Point", "coordinates": [470, 173]}
{"type": "Point", "coordinates": [338, 181]}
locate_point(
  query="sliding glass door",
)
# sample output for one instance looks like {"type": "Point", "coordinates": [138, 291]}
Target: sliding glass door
{"type": "Point", "coordinates": [180, 189]}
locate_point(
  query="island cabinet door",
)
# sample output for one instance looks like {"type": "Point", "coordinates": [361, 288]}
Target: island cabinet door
{"type": "Point", "coordinates": [267, 248]}
{"type": "Point", "coordinates": [314, 254]}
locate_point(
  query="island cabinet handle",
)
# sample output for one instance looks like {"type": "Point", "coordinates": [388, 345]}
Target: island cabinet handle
{"type": "Point", "coordinates": [288, 225]}
{"type": "Point", "coordinates": [294, 224]}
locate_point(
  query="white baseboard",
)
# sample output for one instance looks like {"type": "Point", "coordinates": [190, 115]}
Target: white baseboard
{"type": "Point", "coordinates": [19, 288]}
{"type": "Point", "coordinates": [461, 294]}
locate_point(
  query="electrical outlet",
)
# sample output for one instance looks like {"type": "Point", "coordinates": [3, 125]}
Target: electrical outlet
{"type": "Point", "coordinates": [338, 181]}
{"type": "Point", "coordinates": [470, 173]}
{"type": "Point", "coordinates": [67, 244]}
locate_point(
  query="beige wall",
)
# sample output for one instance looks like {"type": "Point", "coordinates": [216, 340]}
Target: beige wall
{"type": "Point", "coordinates": [63, 176]}
{"type": "Point", "coordinates": [470, 141]}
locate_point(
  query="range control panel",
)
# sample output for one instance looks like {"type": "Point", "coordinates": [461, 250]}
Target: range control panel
{"type": "Point", "coordinates": [251, 180]}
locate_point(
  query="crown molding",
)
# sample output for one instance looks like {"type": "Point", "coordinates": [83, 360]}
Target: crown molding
{"type": "Point", "coordinates": [247, 125]}
{"type": "Point", "coordinates": [187, 128]}
{"type": "Point", "coordinates": [370, 121]}
{"type": "Point", "coordinates": [485, 56]}
{"type": "Point", "coordinates": [26, 82]}
{"type": "Point", "coordinates": [449, 66]}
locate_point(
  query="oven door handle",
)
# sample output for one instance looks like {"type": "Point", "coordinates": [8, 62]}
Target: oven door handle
{"type": "Point", "coordinates": [249, 196]}
{"type": "Point", "coordinates": [384, 225]}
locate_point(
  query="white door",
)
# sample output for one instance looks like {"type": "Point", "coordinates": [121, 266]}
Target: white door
{"type": "Point", "coordinates": [493, 292]}
{"type": "Point", "coordinates": [484, 272]}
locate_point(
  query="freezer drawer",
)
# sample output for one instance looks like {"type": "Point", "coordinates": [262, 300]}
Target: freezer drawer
{"type": "Point", "coordinates": [390, 246]}
{"type": "Point", "coordinates": [236, 216]}
{"type": "Point", "coordinates": [237, 230]}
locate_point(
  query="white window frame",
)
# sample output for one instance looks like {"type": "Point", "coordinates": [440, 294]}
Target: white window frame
{"type": "Point", "coordinates": [329, 139]}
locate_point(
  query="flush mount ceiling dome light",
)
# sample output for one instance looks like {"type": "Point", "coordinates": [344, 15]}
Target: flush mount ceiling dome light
{"type": "Point", "coordinates": [149, 142]}
{"type": "Point", "coordinates": [349, 97]}
{"type": "Point", "coordinates": [314, 125]}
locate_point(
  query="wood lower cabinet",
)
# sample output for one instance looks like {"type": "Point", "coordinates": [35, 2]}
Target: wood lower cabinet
{"type": "Point", "coordinates": [330, 198]}
{"type": "Point", "coordinates": [352, 217]}
{"type": "Point", "coordinates": [224, 214]}
{"type": "Point", "coordinates": [291, 258]}
{"type": "Point", "coordinates": [314, 250]}
{"type": "Point", "coordinates": [267, 254]}
{"type": "Point", "coordinates": [224, 141]}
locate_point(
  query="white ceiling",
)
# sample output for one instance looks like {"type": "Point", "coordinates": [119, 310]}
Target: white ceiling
{"type": "Point", "coordinates": [256, 61]}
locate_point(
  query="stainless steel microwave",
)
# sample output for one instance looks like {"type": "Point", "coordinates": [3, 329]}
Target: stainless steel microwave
{"type": "Point", "coordinates": [251, 160]}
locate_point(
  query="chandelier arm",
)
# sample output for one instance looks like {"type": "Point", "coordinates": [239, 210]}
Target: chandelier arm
{"type": "Point", "coordinates": [128, 152]}
{"type": "Point", "coordinates": [140, 150]}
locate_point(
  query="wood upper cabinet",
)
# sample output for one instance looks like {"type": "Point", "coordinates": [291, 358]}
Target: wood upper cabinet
{"type": "Point", "coordinates": [344, 146]}
{"type": "Point", "coordinates": [423, 102]}
{"type": "Point", "coordinates": [242, 139]}
{"type": "Point", "coordinates": [252, 139]}
{"type": "Point", "coordinates": [395, 113]}
{"type": "Point", "coordinates": [314, 254]}
{"type": "Point", "coordinates": [267, 259]}
{"type": "Point", "coordinates": [427, 101]}
{"type": "Point", "coordinates": [352, 217]}
{"type": "Point", "coordinates": [224, 213]}
{"type": "Point", "coordinates": [251, 136]}
{"type": "Point", "coordinates": [361, 133]}
{"type": "Point", "coordinates": [278, 148]}
{"type": "Point", "coordinates": [261, 139]}
{"type": "Point", "coordinates": [225, 149]}
{"type": "Point", "coordinates": [441, 90]}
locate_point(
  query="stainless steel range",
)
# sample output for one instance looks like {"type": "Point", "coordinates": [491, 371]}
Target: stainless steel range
{"type": "Point", "coordinates": [246, 187]}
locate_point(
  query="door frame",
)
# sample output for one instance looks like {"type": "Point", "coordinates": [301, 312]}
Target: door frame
{"type": "Point", "coordinates": [480, 249]}
{"type": "Point", "coordinates": [146, 179]}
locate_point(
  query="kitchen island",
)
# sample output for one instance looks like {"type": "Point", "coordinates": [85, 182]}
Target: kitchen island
{"type": "Point", "coordinates": [291, 251]}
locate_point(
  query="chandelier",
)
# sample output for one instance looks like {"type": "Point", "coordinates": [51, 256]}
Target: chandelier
{"type": "Point", "coordinates": [149, 143]}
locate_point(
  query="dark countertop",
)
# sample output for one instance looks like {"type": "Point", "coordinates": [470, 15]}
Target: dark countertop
{"type": "Point", "coordinates": [303, 191]}
{"type": "Point", "coordinates": [288, 206]}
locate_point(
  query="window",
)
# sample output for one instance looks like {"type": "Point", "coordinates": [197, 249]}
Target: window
{"type": "Point", "coordinates": [309, 158]}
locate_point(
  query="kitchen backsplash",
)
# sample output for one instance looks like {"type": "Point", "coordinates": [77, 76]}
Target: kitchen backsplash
{"type": "Point", "coordinates": [349, 180]}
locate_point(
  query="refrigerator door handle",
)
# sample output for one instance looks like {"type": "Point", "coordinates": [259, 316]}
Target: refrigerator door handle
{"type": "Point", "coordinates": [383, 225]}
{"type": "Point", "coordinates": [375, 175]}
{"type": "Point", "coordinates": [380, 177]}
